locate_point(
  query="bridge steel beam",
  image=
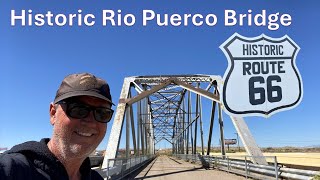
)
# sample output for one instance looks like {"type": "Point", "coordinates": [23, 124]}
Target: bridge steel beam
{"type": "Point", "coordinates": [223, 151]}
{"type": "Point", "coordinates": [213, 108]}
{"type": "Point", "coordinates": [201, 126]}
{"type": "Point", "coordinates": [196, 125]}
{"type": "Point", "coordinates": [133, 129]}
{"type": "Point", "coordinates": [138, 127]}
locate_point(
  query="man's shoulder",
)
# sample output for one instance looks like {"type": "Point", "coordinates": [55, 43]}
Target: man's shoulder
{"type": "Point", "coordinates": [13, 165]}
{"type": "Point", "coordinates": [96, 175]}
{"type": "Point", "coordinates": [13, 159]}
{"type": "Point", "coordinates": [17, 156]}
{"type": "Point", "coordinates": [18, 162]}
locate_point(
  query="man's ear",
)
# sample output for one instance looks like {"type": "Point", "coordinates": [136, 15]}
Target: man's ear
{"type": "Point", "coordinates": [52, 112]}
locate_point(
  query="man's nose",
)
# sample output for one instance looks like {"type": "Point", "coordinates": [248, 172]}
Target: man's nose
{"type": "Point", "coordinates": [89, 119]}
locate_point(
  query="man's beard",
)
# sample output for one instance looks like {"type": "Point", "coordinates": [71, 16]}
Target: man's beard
{"type": "Point", "coordinates": [69, 149]}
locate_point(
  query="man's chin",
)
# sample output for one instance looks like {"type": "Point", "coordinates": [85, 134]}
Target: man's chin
{"type": "Point", "coordinates": [80, 150]}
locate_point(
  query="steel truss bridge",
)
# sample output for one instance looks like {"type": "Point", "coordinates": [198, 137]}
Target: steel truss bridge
{"type": "Point", "coordinates": [169, 107]}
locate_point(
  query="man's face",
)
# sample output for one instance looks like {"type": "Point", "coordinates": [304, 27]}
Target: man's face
{"type": "Point", "coordinates": [78, 137]}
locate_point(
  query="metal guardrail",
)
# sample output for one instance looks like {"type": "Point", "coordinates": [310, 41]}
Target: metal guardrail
{"type": "Point", "coordinates": [122, 166]}
{"type": "Point", "coordinates": [242, 165]}
{"type": "Point", "coordinates": [96, 161]}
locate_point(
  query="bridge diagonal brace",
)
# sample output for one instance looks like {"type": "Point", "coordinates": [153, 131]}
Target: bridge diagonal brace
{"type": "Point", "coordinates": [199, 91]}
{"type": "Point", "coordinates": [115, 135]}
{"type": "Point", "coordinates": [149, 92]}
{"type": "Point", "coordinates": [248, 141]}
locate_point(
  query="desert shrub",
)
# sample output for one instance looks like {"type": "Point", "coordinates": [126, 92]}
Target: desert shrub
{"type": "Point", "coordinates": [317, 177]}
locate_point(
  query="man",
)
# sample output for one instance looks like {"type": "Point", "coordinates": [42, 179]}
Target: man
{"type": "Point", "coordinates": [79, 113]}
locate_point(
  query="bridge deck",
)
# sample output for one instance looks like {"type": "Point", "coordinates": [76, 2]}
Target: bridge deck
{"type": "Point", "coordinates": [164, 167]}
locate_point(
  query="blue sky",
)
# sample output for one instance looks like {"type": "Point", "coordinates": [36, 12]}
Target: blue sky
{"type": "Point", "coordinates": [34, 60]}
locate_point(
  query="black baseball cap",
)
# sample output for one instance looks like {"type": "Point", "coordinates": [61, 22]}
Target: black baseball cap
{"type": "Point", "coordinates": [83, 84]}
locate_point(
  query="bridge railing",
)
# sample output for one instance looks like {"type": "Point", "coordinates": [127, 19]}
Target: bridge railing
{"type": "Point", "coordinates": [123, 166]}
{"type": "Point", "coordinates": [243, 165]}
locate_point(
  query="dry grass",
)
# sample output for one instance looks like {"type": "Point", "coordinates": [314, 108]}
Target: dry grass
{"type": "Point", "coordinates": [306, 159]}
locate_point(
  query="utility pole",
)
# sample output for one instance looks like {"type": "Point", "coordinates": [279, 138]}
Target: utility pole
{"type": "Point", "coordinates": [238, 141]}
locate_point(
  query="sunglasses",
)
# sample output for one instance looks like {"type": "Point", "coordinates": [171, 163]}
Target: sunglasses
{"type": "Point", "coordinates": [79, 111]}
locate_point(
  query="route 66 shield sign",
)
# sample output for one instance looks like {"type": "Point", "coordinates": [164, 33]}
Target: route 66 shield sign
{"type": "Point", "coordinates": [262, 77]}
